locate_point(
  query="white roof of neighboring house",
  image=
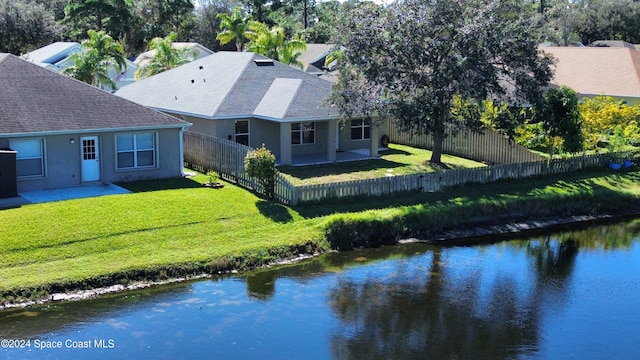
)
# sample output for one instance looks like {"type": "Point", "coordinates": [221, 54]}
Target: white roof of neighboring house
{"type": "Point", "coordinates": [201, 51]}
{"type": "Point", "coordinates": [53, 53]}
{"type": "Point", "coordinates": [613, 71]}
{"type": "Point", "coordinates": [55, 57]}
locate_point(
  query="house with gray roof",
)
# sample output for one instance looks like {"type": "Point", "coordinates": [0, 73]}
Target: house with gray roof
{"type": "Point", "coordinates": [66, 133]}
{"type": "Point", "coordinates": [55, 57]}
{"type": "Point", "coordinates": [253, 100]}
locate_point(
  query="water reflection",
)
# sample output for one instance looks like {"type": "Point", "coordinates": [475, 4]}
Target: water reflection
{"type": "Point", "coordinates": [571, 294]}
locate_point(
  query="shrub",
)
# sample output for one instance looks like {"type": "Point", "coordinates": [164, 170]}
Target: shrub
{"type": "Point", "coordinates": [261, 165]}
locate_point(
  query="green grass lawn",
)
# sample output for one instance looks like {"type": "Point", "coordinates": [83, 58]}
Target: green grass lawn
{"type": "Point", "coordinates": [398, 160]}
{"type": "Point", "coordinates": [178, 222]}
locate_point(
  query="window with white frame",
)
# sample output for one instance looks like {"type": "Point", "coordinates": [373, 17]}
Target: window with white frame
{"type": "Point", "coordinates": [303, 133]}
{"type": "Point", "coordinates": [360, 129]}
{"type": "Point", "coordinates": [135, 151]}
{"type": "Point", "coordinates": [29, 157]}
{"type": "Point", "coordinates": [242, 132]}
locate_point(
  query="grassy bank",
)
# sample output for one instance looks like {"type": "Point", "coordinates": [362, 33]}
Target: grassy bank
{"type": "Point", "coordinates": [172, 228]}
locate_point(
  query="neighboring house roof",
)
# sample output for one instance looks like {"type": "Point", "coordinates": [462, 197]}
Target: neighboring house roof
{"type": "Point", "coordinates": [34, 100]}
{"type": "Point", "coordinates": [612, 43]}
{"type": "Point", "coordinates": [201, 51]}
{"type": "Point", "coordinates": [55, 57]}
{"type": "Point", "coordinates": [313, 61]}
{"type": "Point", "coordinates": [613, 71]}
{"type": "Point", "coordinates": [235, 85]}
{"type": "Point", "coordinates": [52, 54]}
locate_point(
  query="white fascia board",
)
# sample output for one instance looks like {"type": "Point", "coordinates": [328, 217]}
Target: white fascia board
{"type": "Point", "coordinates": [103, 130]}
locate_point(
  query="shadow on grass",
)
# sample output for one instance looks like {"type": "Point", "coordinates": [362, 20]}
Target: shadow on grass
{"type": "Point", "coordinates": [394, 152]}
{"type": "Point", "coordinates": [156, 185]}
{"type": "Point", "coordinates": [274, 211]}
{"type": "Point", "coordinates": [311, 171]}
{"type": "Point", "coordinates": [595, 183]}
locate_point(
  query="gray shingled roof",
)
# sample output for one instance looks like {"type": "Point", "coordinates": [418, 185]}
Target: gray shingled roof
{"type": "Point", "coordinates": [234, 85]}
{"type": "Point", "coordinates": [36, 100]}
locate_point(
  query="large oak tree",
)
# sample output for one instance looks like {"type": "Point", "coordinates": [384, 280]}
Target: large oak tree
{"type": "Point", "coordinates": [430, 64]}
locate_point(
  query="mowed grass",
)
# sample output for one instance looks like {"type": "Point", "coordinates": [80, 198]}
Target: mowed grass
{"type": "Point", "coordinates": [397, 160]}
{"type": "Point", "coordinates": [170, 222]}
{"type": "Point", "coordinates": [78, 239]}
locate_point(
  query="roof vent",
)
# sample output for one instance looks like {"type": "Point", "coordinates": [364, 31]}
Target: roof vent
{"type": "Point", "coordinates": [263, 62]}
{"type": "Point", "coordinates": [201, 67]}
{"type": "Point", "coordinates": [192, 81]}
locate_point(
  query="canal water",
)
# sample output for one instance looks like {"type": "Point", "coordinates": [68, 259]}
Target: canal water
{"type": "Point", "coordinates": [564, 295]}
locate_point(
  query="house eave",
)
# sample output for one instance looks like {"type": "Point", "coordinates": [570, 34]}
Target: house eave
{"type": "Point", "coordinates": [99, 130]}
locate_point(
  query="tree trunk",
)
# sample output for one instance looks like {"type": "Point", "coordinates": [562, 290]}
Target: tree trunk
{"type": "Point", "coordinates": [436, 156]}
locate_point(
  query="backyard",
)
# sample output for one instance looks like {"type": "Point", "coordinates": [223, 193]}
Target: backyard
{"type": "Point", "coordinates": [174, 227]}
{"type": "Point", "coordinates": [397, 160]}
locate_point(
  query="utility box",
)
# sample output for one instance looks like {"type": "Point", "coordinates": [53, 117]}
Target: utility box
{"type": "Point", "coordinates": [8, 174]}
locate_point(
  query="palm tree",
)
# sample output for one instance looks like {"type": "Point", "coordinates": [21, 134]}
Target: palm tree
{"type": "Point", "coordinates": [234, 27]}
{"type": "Point", "coordinates": [272, 43]}
{"type": "Point", "coordinates": [166, 56]}
{"type": "Point", "coordinates": [98, 55]}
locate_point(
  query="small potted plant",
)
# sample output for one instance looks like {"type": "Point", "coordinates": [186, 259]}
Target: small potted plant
{"type": "Point", "coordinates": [213, 180]}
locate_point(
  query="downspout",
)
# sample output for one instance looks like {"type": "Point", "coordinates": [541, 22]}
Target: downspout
{"type": "Point", "coordinates": [182, 130]}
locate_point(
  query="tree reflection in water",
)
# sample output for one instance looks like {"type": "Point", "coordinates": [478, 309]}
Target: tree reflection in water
{"type": "Point", "coordinates": [438, 314]}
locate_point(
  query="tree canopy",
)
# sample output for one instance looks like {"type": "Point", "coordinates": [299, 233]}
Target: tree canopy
{"type": "Point", "coordinates": [25, 26]}
{"type": "Point", "coordinates": [425, 62]}
{"type": "Point", "coordinates": [165, 57]}
{"type": "Point", "coordinates": [100, 53]}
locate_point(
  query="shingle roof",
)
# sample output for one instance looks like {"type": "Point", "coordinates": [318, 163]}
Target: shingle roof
{"type": "Point", "coordinates": [52, 53]}
{"type": "Point", "coordinates": [613, 71]}
{"type": "Point", "coordinates": [235, 84]}
{"type": "Point", "coordinates": [36, 100]}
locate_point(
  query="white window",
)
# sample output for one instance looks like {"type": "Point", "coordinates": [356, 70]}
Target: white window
{"type": "Point", "coordinates": [136, 151]}
{"type": "Point", "coordinates": [242, 132]}
{"type": "Point", "coordinates": [360, 129]}
{"type": "Point", "coordinates": [303, 133]}
{"type": "Point", "coordinates": [30, 157]}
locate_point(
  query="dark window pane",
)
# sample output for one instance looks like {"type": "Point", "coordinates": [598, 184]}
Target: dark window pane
{"type": "Point", "coordinates": [125, 160]}
{"type": "Point", "coordinates": [309, 137]}
{"type": "Point", "coordinates": [242, 139]}
{"type": "Point", "coordinates": [367, 132]}
{"type": "Point", "coordinates": [145, 158]}
{"type": "Point", "coordinates": [295, 137]}
{"type": "Point", "coordinates": [242, 127]}
{"type": "Point", "coordinates": [356, 133]}
{"type": "Point", "coordinates": [29, 167]}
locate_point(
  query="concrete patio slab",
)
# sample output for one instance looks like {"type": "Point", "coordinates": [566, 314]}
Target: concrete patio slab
{"type": "Point", "coordinates": [76, 192]}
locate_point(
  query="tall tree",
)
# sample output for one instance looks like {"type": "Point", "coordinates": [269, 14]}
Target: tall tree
{"type": "Point", "coordinates": [207, 25]}
{"type": "Point", "coordinates": [100, 53]}
{"type": "Point", "coordinates": [235, 27]}
{"type": "Point", "coordinates": [609, 20]}
{"type": "Point", "coordinates": [165, 57]}
{"type": "Point", "coordinates": [272, 43]}
{"type": "Point", "coordinates": [25, 26]}
{"type": "Point", "coordinates": [113, 16]}
{"type": "Point", "coordinates": [414, 60]}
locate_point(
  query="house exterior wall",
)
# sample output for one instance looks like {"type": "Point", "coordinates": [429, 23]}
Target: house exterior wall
{"type": "Point", "coordinates": [62, 159]}
{"type": "Point", "coordinates": [345, 142]}
{"type": "Point", "coordinates": [267, 133]}
{"type": "Point", "coordinates": [203, 126]}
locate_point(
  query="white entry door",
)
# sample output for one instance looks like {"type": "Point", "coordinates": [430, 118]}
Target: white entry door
{"type": "Point", "coordinates": [90, 152]}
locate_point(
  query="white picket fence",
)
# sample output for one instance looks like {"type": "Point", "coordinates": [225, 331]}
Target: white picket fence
{"type": "Point", "coordinates": [204, 153]}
